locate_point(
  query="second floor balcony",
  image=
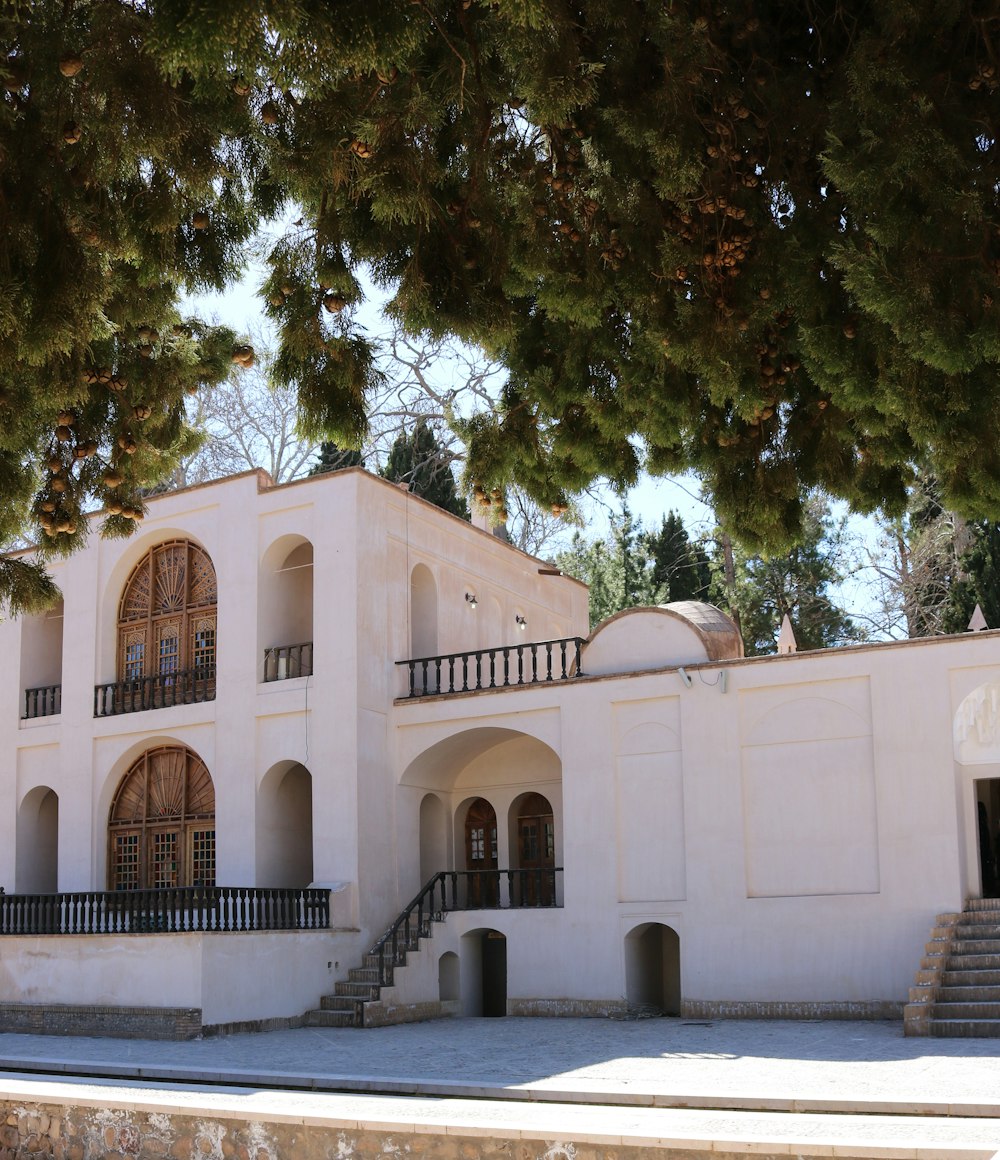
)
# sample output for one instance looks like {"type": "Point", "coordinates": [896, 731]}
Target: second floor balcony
{"type": "Point", "coordinates": [158, 691]}
{"type": "Point", "coordinates": [537, 662]}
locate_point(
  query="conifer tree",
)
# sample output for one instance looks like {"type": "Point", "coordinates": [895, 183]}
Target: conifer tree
{"type": "Point", "coordinates": [759, 242]}
{"type": "Point", "coordinates": [330, 457]}
{"type": "Point", "coordinates": [680, 567]}
{"type": "Point", "coordinates": [978, 582]}
{"type": "Point", "coordinates": [417, 458]}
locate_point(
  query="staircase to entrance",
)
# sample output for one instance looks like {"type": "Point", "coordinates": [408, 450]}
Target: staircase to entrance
{"type": "Point", "coordinates": [957, 989]}
{"type": "Point", "coordinates": [359, 1001]}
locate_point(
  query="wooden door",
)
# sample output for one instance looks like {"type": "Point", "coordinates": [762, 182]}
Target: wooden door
{"type": "Point", "coordinates": [481, 855]}
{"type": "Point", "coordinates": [536, 848]}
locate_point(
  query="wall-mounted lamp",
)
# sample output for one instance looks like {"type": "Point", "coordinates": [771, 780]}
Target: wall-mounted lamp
{"type": "Point", "coordinates": [724, 681]}
{"type": "Point", "coordinates": [685, 676]}
{"type": "Point", "coordinates": [471, 600]}
{"type": "Point", "coordinates": [520, 621]}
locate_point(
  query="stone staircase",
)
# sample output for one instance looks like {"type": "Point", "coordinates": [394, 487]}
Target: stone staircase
{"type": "Point", "coordinates": [348, 1005]}
{"type": "Point", "coordinates": [957, 989]}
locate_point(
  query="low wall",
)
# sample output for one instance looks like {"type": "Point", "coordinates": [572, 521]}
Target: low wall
{"type": "Point", "coordinates": [231, 979]}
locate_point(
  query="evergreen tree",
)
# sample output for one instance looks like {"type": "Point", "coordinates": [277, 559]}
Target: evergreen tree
{"type": "Point", "coordinates": [332, 458]}
{"type": "Point", "coordinates": [763, 589]}
{"type": "Point", "coordinates": [978, 583]}
{"type": "Point", "coordinates": [680, 568]}
{"type": "Point", "coordinates": [759, 243]}
{"type": "Point", "coordinates": [617, 569]}
{"type": "Point", "coordinates": [418, 459]}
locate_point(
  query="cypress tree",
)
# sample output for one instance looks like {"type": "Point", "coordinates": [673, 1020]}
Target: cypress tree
{"type": "Point", "coordinates": [417, 458]}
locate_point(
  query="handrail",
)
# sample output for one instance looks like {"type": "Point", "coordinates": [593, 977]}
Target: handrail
{"type": "Point", "coordinates": [527, 888]}
{"type": "Point", "coordinates": [282, 662]}
{"type": "Point", "coordinates": [158, 691]}
{"type": "Point", "coordinates": [172, 910]}
{"type": "Point", "coordinates": [43, 701]}
{"type": "Point", "coordinates": [535, 662]}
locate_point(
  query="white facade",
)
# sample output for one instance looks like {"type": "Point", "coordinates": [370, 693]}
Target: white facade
{"type": "Point", "coordinates": [770, 835]}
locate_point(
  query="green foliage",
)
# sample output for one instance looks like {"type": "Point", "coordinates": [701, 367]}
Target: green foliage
{"type": "Point", "coordinates": [760, 244]}
{"type": "Point", "coordinates": [619, 569]}
{"type": "Point", "coordinates": [763, 589]}
{"type": "Point", "coordinates": [418, 459]}
{"type": "Point", "coordinates": [978, 583]}
{"type": "Point", "coordinates": [332, 458]}
{"type": "Point", "coordinates": [680, 567]}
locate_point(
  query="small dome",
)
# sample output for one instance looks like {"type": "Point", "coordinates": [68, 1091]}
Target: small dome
{"type": "Point", "coordinates": [686, 632]}
{"type": "Point", "coordinates": [722, 637]}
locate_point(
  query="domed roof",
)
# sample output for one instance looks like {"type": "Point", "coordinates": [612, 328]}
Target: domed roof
{"type": "Point", "coordinates": [722, 637]}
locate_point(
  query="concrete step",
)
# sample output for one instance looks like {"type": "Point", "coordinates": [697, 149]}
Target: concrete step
{"type": "Point", "coordinates": [966, 1011]}
{"type": "Point", "coordinates": [973, 962]}
{"type": "Point", "coordinates": [353, 990]}
{"type": "Point", "coordinates": [362, 975]}
{"type": "Point", "coordinates": [340, 1003]}
{"type": "Point", "coordinates": [980, 978]}
{"type": "Point", "coordinates": [965, 1028]}
{"type": "Point", "coordinates": [967, 993]}
{"type": "Point", "coordinates": [982, 904]}
{"type": "Point", "coordinates": [332, 1019]}
{"type": "Point", "coordinates": [977, 931]}
{"type": "Point", "coordinates": [976, 946]}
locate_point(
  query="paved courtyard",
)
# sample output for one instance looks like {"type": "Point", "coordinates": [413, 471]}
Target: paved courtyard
{"type": "Point", "coordinates": [795, 1066]}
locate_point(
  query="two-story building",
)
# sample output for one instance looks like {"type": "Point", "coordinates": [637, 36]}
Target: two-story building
{"type": "Point", "coordinates": [253, 733]}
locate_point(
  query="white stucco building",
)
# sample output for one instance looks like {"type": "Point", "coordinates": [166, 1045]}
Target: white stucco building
{"type": "Point", "coordinates": [220, 787]}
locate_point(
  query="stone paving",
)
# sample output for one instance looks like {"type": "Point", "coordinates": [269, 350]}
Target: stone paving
{"type": "Point", "coordinates": [799, 1066]}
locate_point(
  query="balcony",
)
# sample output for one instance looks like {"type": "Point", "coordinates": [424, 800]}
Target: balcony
{"type": "Point", "coordinates": [45, 701]}
{"type": "Point", "coordinates": [170, 911]}
{"type": "Point", "coordinates": [160, 691]}
{"type": "Point", "coordinates": [283, 662]}
{"type": "Point", "coordinates": [496, 668]}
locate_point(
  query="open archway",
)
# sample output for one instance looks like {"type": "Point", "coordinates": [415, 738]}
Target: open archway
{"type": "Point", "coordinates": [484, 973]}
{"type": "Point", "coordinates": [653, 969]}
{"type": "Point", "coordinates": [284, 831]}
{"type": "Point", "coordinates": [37, 865]}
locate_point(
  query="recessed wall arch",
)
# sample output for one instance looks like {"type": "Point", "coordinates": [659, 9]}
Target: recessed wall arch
{"type": "Point", "coordinates": [161, 823]}
{"type": "Point", "coordinates": [284, 827]}
{"type": "Point", "coordinates": [423, 612]}
{"type": "Point", "coordinates": [167, 613]}
{"type": "Point", "coordinates": [37, 854]}
{"type": "Point", "coordinates": [653, 969]}
{"type": "Point", "coordinates": [285, 609]}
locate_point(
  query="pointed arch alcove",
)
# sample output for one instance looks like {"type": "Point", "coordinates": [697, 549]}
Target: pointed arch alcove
{"type": "Point", "coordinates": [161, 828]}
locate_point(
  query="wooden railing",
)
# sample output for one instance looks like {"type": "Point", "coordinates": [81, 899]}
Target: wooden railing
{"type": "Point", "coordinates": [285, 661]}
{"type": "Point", "coordinates": [158, 691]}
{"type": "Point", "coordinates": [171, 911]}
{"type": "Point", "coordinates": [462, 890]}
{"type": "Point", "coordinates": [45, 701]}
{"type": "Point", "coordinates": [496, 668]}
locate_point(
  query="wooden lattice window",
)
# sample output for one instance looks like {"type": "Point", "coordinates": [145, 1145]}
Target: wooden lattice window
{"type": "Point", "coordinates": [167, 615]}
{"type": "Point", "coordinates": [162, 823]}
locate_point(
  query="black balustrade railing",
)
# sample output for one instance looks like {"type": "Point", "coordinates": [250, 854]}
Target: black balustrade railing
{"type": "Point", "coordinates": [45, 701]}
{"type": "Point", "coordinates": [496, 668]}
{"type": "Point", "coordinates": [451, 890]}
{"type": "Point", "coordinates": [159, 691]}
{"type": "Point", "coordinates": [170, 911]}
{"type": "Point", "coordinates": [285, 661]}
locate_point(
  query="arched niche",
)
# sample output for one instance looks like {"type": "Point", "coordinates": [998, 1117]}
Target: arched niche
{"type": "Point", "coordinates": [41, 662]}
{"type": "Point", "coordinates": [433, 836]}
{"type": "Point", "coordinates": [449, 978]}
{"type": "Point", "coordinates": [284, 827]}
{"type": "Point", "coordinates": [653, 969]}
{"type": "Point", "coordinates": [423, 612]}
{"type": "Point", "coordinates": [37, 863]}
{"type": "Point", "coordinates": [285, 609]}
{"type": "Point", "coordinates": [161, 827]}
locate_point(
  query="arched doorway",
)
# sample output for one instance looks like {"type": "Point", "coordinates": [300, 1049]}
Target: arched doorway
{"type": "Point", "coordinates": [653, 969]}
{"type": "Point", "coordinates": [285, 609]}
{"type": "Point", "coordinates": [37, 867]}
{"type": "Point", "coordinates": [285, 827]}
{"type": "Point", "coordinates": [484, 974]}
{"type": "Point", "coordinates": [161, 830]}
{"type": "Point", "coordinates": [483, 882]}
{"type": "Point", "coordinates": [988, 832]}
{"type": "Point", "coordinates": [535, 846]}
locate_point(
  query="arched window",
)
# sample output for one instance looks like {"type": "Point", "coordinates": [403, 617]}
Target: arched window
{"type": "Point", "coordinates": [162, 824]}
{"type": "Point", "coordinates": [167, 617]}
